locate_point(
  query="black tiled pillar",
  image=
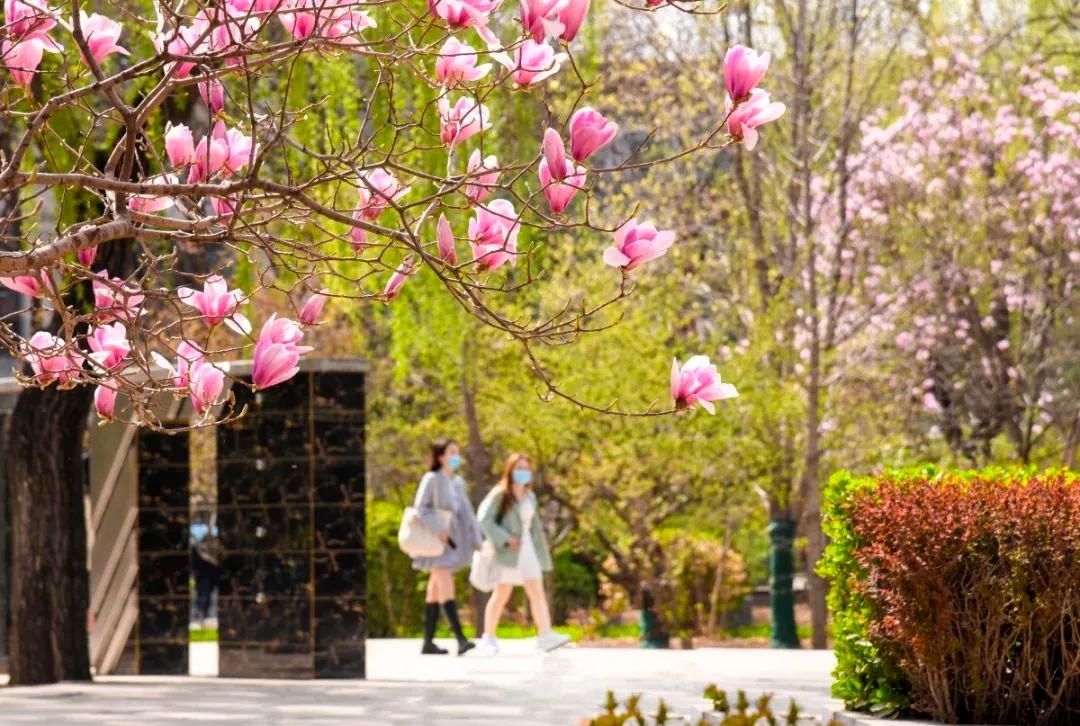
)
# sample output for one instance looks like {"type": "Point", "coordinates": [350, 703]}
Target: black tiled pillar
{"type": "Point", "coordinates": [291, 517]}
{"type": "Point", "coordinates": [164, 554]}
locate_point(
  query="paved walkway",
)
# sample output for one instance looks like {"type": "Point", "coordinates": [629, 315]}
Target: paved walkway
{"type": "Point", "coordinates": [520, 686]}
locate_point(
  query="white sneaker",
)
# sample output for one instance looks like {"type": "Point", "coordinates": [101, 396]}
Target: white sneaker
{"type": "Point", "coordinates": [489, 645]}
{"type": "Point", "coordinates": [551, 640]}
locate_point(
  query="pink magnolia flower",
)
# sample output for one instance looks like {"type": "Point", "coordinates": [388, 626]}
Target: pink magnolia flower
{"type": "Point", "coordinates": [483, 173]}
{"type": "Point", "coordinates": [180, 145]}
{"type": "Point", "coordinates": [397, 280]}
{"type": "Point", "coordinates": [309, 314]}
{"type": "Point", "coordinates": [636, 244]}
{"type": "Point", "coordinates": [560, 193]}
{"type": "Point", "coordinates": [31, 285]}
{"type": "Point", "coordinates": [541, 18]}
{"type": "Point", "coordinates": [457, 64]}
{"type": "Point", "coordinates": [105, 402]}
{"type": "Point", "coordinates": [378, 188]}
{"type": "Point", "coordinates": [277, 356]}
{"type": "Point", "coordinates": [463, 120]}
{"type": "Point", "coordinates": [698, 381]}
{"type": "Point", "coordinates": [324, 19]}
{"type": "Point", "coordinates": [445, 238]}
{"type": "Point", "coordinates": [463, 13]}
{"type": "Point", "coordinates": [224, 149]}
{"type": "Point", "coordinates": [223, 206]}
{"type": "Point", "coordinates": [109, 344]}
{"type": "Point", "coordinates": [358, 239]}
{"type": "Point", "coordinates": [24, 20]}
{"type": "Point", "coordinates": [756, 111]}
{"type": "Point", "coordinates": [115, 300]}
{"type": "Point", "coordinates": [554, 153]}
{"type": "Point", "coordinates": [493, 235]}
{"type": "Point", "coordinates": [743, 70]}
{"type": "Point", "coordinates": [149, 203]}
{"type": "Point", "coordinates": [86, 256]}
{"type": "Point", "coordinates": [212, 92]}
{"type": "Point", "coordinates": [101, 34]}
{"type": "Point", "coordinates": [572, 16]}
{"type": "Point", "coordinates": [187, 355]}
{"type": "Point", "coordinates": [589, 131]}
{"type": "Point", "coordinates": [216, 303]}
{"type": "Point", "coordinates": [52, 359]}
{"type": "Point", "coordinates": [22, 58]}
{"type": "Point", "coordinates": [205, 384]}
{"type": "Point", "coordinates": [184, 41]}
{"type": "Point", "coordinates": [533, 62]}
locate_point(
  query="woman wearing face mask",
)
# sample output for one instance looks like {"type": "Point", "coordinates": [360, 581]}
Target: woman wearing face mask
{"type": "Point", "coordinates": [509, 518]}
{"type": "Point", "coordinates": [442, 489]}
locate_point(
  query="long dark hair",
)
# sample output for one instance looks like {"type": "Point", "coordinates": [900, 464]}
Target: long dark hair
{"type": "Point", "coordinates": [438, 448]}
{"type": "Point", "coordinates": [506, 484]}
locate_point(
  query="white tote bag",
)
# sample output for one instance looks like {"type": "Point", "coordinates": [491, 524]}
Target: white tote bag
{"type": "Point", "coordinates": [484, 574]}
{"type": "Point", "coordinates": [415, 538]}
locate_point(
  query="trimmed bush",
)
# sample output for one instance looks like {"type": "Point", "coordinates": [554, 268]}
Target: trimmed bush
{"type": "Point", "coordinates": [957, 594]}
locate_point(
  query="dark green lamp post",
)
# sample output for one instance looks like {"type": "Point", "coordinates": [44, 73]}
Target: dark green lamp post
{"type": "Point", "coordinates": [781, 572]}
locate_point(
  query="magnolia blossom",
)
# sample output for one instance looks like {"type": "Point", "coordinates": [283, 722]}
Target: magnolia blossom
{"type": "Point", "coordinates": [589, 131]}
{"type": "Point", "coordinates": [52, 359]}
{"type": "Point", "coordinates": [24, 20]}
{"type": "Point", "coordinates": [325, 19]}
{"type": "Point", "coordinates": [212, 93]}
{"type": "Point", "coordinates": [463, 120]}
{"type": "Point", "coordinates": [25, 39]}
{"type": "Point", "coordinates": [223, 206]}
{"type": "Point", "coordinates": [554, 152]}
{"type": "Point", "coordinates": [463, 13]}
{"type": "Point", "coordinates": [216, 303]}
{"type": "Point", "coordinates": [185, 40]}
{"type": "Point", "coordinates": [180, 145]}
{"type": "Point", "coordinates": [31, 285]}
{"type": "Point", "coordinates": [572, 16]}
{"type": "Point", "coordinates": [533, 62]}
{"type": "Point", "coordinates": [743, 70]}
{"type": "Point", "coordinates": [105, 402]}
{"type": "Point", "coordinates": [560, 193]}
{"type": "Point", "coordinates": [205, 384]}
{"type": "Point", "coordinates": [358, 235]}
{"type": "Point", "coordinates": [101, 34]}
{"type": "Point", "coordinates": [483, 173]}
{"type": "Point", "coordinates": [277, 356]}
{"type": "Point", "coordinates": [457, 64]}
{"type": "Point", "coordinates": [86, 255]}
{"type": "Point", "coordinates": [115, 300]}
{"type": "Point", "coordinates": [445, 239]}
{"type": "Point", "coordinates": [396, 282]}
{"type": "Point", "coordinates": [756, 111]}
{"type": "Point", "coordinates": [187, 355]}
{"type": "Point", "coordinates": [226, 150]}
{"type": "Point", "coordinates": [378, 188]}
{"type": "Point", "coordinates": [636, 244]}
{"type": "Point", "coordinates": [493, 235]}
{"type": "Point", "coordinates": [309, 314]}
{"type": "Point", "coordinates": [698, 381]}
{"type": "Point", "coordinates": [541, 18]}
{"type": "Point", "coordinates": [109, 344]}
{"type": "Point", "coordinates": [149, 203]}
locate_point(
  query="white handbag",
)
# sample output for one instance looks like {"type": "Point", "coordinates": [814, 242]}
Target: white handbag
{"type": "Point", "coordinates": [484, 574]}
{"type": "Point", "coordinates": [415, 538]}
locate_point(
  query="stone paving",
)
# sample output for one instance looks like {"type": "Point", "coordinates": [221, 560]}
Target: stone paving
{"type": "Point", "coordinates": [519, 686]}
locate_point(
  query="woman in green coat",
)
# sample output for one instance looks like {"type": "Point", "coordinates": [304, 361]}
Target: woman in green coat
{"type": "Point", "coordinates": [510, 520]}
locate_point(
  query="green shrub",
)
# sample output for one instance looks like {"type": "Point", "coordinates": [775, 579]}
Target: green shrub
{"type": "Point", "coordinates": [395, 591]}
{"type": "Point", "coordinates": [956, 593]}
{"type": "Point", "coordinates": [724, 712]}
{"type": "Point", "coordinates": [575, 586]}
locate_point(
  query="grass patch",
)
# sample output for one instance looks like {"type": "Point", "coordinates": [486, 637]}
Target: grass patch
{"type": "Point", "coordinates": [203, 635]}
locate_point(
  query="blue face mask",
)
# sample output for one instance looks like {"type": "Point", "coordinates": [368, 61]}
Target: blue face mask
{"type": "Point", "coordinates": [453, 461]}
{"type": "Point", "coordinates": [522, 476]}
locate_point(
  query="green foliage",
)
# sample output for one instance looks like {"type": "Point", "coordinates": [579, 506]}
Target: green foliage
{"type": "Point", "coordinates": [394, 589]}
{"type": "Point", "coordinates": [576, 585]}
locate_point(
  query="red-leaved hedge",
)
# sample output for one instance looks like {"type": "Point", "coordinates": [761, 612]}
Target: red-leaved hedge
{"type": "Point", "coordinates": [974, 580]}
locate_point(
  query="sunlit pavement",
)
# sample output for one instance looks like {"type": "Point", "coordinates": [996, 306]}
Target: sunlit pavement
{"type": "Point", "coordinates": [518, 686]}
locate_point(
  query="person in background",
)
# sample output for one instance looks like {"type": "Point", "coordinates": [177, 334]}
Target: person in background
{"type": "Point", "coordinates": [442, 489]}
{"type": "Point", "coordinates": [205, 565]}
{"type": "Point", "coordinates": [509, 519]}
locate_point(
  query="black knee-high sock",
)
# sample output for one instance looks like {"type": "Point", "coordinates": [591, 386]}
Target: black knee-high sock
{"type": "Point", "coordinates": [431, 617]}
{"type": "Point", "coordinates": [450, 606]}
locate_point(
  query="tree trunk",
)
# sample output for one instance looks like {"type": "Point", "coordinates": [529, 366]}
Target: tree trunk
{"type": "Point", "coordinates": [781, 592]}
{"type": "Point", "coordinates": [50, 594]}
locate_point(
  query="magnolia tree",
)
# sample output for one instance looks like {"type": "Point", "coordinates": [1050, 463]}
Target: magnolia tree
{"type": "Point", "coordinates": [355, 223]}
{"type": "Point", "coordinates": [980, 202]}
